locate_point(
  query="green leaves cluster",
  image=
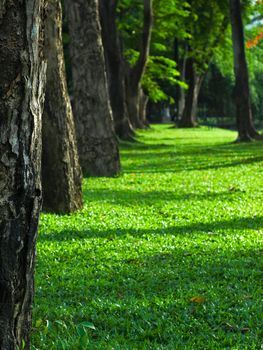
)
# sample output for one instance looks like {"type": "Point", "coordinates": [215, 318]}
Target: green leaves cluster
{"type": "Point", "coordinates": [160, 70]}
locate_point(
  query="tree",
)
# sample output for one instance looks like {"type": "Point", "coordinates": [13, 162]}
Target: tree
{"type": "Point", "coordinates": [134, 93]}
{"type": "Point", "coordinates": [115, 68]}
{"type": "Point", "coordinates": [97, 144]}
{"type": "Point", "coordinates": [245, 126]}
{"type": "Point", "coordinates": [206, 28]}
{"type": "Point", "coordinates": [22, 83]}
{"type": "Point", "coordinates": [61, 172]}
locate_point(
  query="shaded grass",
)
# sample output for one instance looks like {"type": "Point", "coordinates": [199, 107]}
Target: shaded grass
{"type": "Point", "coordinates": [183, 220]}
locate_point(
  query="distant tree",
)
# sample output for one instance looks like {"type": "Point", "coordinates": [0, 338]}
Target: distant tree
{"type": "Point", "coordinates": [115, 68]}
{"type": "Point", "coordinates": [22, 82]}
{"type": "Point", "coordinates": [206, 28]}
{"type": "Point", "coordinates": [97, 143]}
{"type": "Point", "coordinates": [134, 93]}
{"type": "Point", "coordinates": [245, 126]}
{"type": "Point", "coordinates": [61, 172]}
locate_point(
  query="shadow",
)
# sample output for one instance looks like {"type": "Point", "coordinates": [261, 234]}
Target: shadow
{"type": "Point", "coordinates": [176, 159]}
{"type": "Point", "coordinates": [177, 165]}
{"type": "Point", "coordinates": [238, 223]}
{"type": "Point", "coordinates": [132, 197]}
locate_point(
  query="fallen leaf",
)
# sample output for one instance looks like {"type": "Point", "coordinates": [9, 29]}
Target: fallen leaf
{"type": "Point", "coordinates": [198, 299]}
{"type": "Point", "coordinates": [244, 330]}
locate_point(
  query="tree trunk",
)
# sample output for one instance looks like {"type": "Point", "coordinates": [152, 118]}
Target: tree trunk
{"type": "Point", "coordinates": [135, 74]}
{"type": "Point", "coordinates": [133, 104]}
{"type": "Point", "coordinates": [144, 99]}
{"type": "Point", "coordinates": [189, 116]}
{"type": "Point", "coordinates": [97, 143]}
{"type": "Point", "coordinates": [61, 172]}
{"type": "Point", "coordinates": [22, 82]}
{"type": "Point", "coordinates": [115, 68]}
{"type": "Point", "coordinates": [246, 129]}
{"type": "Point", "coordinates": [181, 67]}
{"type": "Point", "coordinates": [182, 94]}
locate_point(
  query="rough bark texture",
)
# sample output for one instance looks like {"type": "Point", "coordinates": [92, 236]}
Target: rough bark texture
{"type": "Point", "coordinates": [22, 79]}
{"type": "Point", "coordinates": [61, 172]}
{"type": "Point", "coordinates": [135, 73]}
{"type": "Point", "coordinates": [189, 115]}
{"type": "Point", "coordinates": [246, 129]}
{"type": "Point", "coordinates": [97, 143]}
{"type": "Point", "coordinates": [115, 68]}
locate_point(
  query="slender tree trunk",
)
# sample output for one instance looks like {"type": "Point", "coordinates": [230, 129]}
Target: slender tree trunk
{"type": "Point", "coordinates": [182, 94]}
{"type": "Point", "coordinates": [189, 116]}
{"type": "Point", "coordinates": [245, 126]}
{"type": "Point", "coordinates": [181, 67]}
{"type": "Point", "coordinates": [136, 73]}
{"type": "Point", "coordinates": [22, 81]}
{"type": "Point", "coordinates": [133, 104]}
{"type": "Point", "coordinates": [61, 172]}
{"type": "Point", "coordinates": [115, 68]}
{"type": "Point", "coordinates": [97, 143]}
{"type": "Point", "coordinates": [144, 99]}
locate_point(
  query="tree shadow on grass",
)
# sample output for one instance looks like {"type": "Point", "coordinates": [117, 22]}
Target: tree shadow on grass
{"type": "Point", "coordinates": [132, 197]}
{"type": "Point", "coordinates": [222, 226]}
{"type": "Point", "coordinates": [176, 165]}
{"type": "Point", "coordinates": [196, 157]}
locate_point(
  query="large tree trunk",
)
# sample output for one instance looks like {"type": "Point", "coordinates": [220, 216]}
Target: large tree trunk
{"type": "Point", "coordinates": [61, 172]}
{"type": "Point", "coordinates": [115, 68]}
{"type": "Point", "coordinates": [246, 129]}
{"type": "Point", "coordinates": [22, 81]}
{"type": "Point", "coordinates": [135, 74]}
{"type": "Point", "coordinates": [97, 143]}
{"type": "Point", "coordinates": [189, 115]}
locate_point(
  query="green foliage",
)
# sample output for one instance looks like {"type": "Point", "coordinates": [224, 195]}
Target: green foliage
{"type": "Point", "coordinates": [206, 26]}
{"type": "Point", "coordinates": [167, 256]}
{"type": "Point", "coordinates": [223, 60]}
{"type": "Point", "coordinates": [159, 69]}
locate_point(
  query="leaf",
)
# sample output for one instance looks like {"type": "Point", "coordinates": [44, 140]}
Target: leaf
{"type": "Point", "coordinates": [198, 299]}
{"type": "Point", "coordinates": [61, 323]}
{"type": "Point", "coordinates": [87, 325]}
{"type": "Point", "coordinates": [39, 323]}
{"type": "Point", "coordinates": [244, 330]}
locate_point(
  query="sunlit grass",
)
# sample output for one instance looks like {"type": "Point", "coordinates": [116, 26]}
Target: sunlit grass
{"type": "Point", "coordinates": [184, 220]}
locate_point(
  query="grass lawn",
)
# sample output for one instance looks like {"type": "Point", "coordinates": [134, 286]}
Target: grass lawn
{"type": "Point", "coordinates": [166, 256]}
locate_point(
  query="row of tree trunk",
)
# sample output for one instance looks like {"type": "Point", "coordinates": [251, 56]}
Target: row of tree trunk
{"type": "Point", "coordinates": [32, 160]}
{"type": "Point", "coordinates": [32, 85]}
{"type": "Point", "coordinates": [31, 52]}
{"type": "Point", "coordinates": [127, 97]}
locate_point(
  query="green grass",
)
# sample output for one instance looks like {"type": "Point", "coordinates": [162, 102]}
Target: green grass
{"type": "Point", "coordinates": [184, 220]}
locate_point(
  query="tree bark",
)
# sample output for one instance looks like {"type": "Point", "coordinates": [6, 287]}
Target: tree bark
{"type": "Point", "coordinates": [97, 143]}
{"type": "Point", "coordinates": [245, 126]}
{"type": "Point", "coordinates": [181, 67]}
{"type": "Point", "coordinates": [136, 73]}
{"type": "Point", "coordinates": [189, 115]}
{"type": "Point", "coordinates": [61, 172]}
{"type": "Point", "coordinates": [22, 82]}
{"type": "Point", "coordinates": [115, 68]}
